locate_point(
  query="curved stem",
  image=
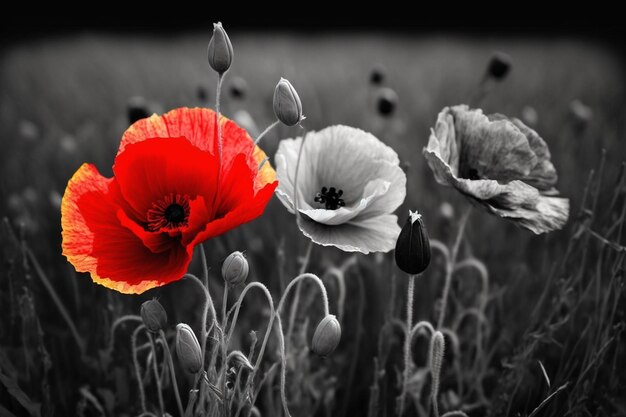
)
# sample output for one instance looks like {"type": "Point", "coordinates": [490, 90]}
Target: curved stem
{"type": "Point", "coordinates": [156, 374]}
{"type": "Point", "coordinates": [283, 367]}
{"type": "Point", "coordinates": [133, 343]}
{"type": "Point", "coordinates": [296, 298]}
{"type": "Point", "coordinates": [208, 305]}
{"type": "Point", "coordinates": [407, 342]}
{"type": "Point", "coordinates": [117, 323]}
{"type": "Point", "coordinates": [450, 267]}
{"type": "Point", "coordinates": [265, 132]}
{"type": "Point", "coordinates": [170, 362]}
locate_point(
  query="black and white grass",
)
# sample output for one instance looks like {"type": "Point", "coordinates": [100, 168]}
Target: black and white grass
{"type": "Point", "coordinates": [499, 296]}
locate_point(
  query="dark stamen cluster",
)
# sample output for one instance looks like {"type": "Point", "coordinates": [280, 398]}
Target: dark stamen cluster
{"type": "Point", "coordinates": [331, 198]}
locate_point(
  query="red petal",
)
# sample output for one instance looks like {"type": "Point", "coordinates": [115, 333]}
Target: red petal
{"type": "Point", "coordinates": [152, 169]}
{"type": "Point", "coordinates": [95, 241]}
{"type": "Point", "coordinates": [198, 126]}
{"type": "Point", "coordinates": [238, 202]}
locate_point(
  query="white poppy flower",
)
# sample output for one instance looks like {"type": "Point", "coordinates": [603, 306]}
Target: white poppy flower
{"type": "Point", "coordinates": [349, 183]}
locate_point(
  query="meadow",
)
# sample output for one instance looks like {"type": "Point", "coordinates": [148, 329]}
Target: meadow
{"type": "Point", "coordinates": [551, 340]}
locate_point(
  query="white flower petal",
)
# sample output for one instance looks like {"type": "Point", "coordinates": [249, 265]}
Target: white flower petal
{"type": "Point", "coordinates": [376, 234]}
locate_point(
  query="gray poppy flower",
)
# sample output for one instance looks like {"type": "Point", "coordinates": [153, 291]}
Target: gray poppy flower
{"type": "Point", "coordinates": [499, 164]}
{"type": "Point", "coordinates": [349, 183]}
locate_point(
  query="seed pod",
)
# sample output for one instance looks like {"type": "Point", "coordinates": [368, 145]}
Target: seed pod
{"type": "Point", "coordinates": [220, 50]}
{"type": "Point", "coordinates": [499, 66]}
{"type": "Point", "coordinates": [188, 349]}
{"type": "Point", "coordinates": [153, 315]}
{"type": "Point", "coordinates": [326, 336]}
{"type": "Point", "coordinates": [287, 104]}
{"type": "Point", "coordinates": [235, 269]}
{"type": "Point", "coordinates": [413, 246]}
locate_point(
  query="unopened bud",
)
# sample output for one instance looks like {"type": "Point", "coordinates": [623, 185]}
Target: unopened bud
{"type": "Point", "coordinates": [437, 348]}
{"type": "Point", "coordinates": [153, 315]}
{"type": "Point", "coordinates": [237, 360]}
{"type": "Point", "coordinates": [235, 269]}
{"type": "Point", "coordinates": [413, 246]}
{"type": "Point", "coordinates": [220, 49]}
{"type": "Point", "coordinates": [287, 104]}
{"type": "Point", "coordinates": [188, 349]}
{"type": "Point", "coordinates": [386, 101]}
{"type": "Point", "coordinates": [326, 336]}
{"type": "Point", "coordinates": [499, 66]}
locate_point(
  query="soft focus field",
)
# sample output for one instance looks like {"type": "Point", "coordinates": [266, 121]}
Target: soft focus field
{"type": "Point", "coordinates": [63, 102]}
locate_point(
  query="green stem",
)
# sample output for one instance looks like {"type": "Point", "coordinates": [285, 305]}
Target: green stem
{"type": "Point", "coordinates": [170, 362]}
{"type": "Point", "coordinates": [450, 267]}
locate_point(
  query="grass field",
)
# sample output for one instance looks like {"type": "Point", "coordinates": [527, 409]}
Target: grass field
{"type": "Point", "coordinates": [63, 102]}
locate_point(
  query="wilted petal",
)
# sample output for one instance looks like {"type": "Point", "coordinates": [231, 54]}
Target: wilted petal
{"type": "Point", "coordinates": [549, 213]}
{"type": "Point", "coordinates": [490, 149]}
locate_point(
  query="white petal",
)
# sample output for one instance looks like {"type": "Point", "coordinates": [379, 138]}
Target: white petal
{"type": "Point", "coordinates": [286, 160]}
{"type": "Point", "coordinates": [377, 234]}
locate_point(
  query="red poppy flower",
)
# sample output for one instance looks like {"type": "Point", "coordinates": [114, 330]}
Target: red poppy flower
{"type": "Point", "coordinates": [137, 230]}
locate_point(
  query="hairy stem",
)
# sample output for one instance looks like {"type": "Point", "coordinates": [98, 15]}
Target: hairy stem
{"type": "Point", "coordinates": [450, 267]}
{"type": "Point", "coordinates": [170, 362]}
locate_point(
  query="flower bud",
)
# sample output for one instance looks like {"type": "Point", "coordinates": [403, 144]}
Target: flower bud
{"type": "Point", "coordinates": [235, 269]}
{"type": "Point", "coordinates": [437, 348]}
{"type": "Point", "coordinates": [220, 49]}
{"type": "Point", "coordinates": [287, 104]}
{"type": "Point", "coordinates": [326, 336]}
{"type": "Point", "coordinates": [153, 315]}
{"type": "Point", "coordinates": [188, 349]}
{"type": "Point", "coordinates": [237, 360]}
{"type": "Point", "coordinates": [386, 101]}
{"type": "Point", "coordinates": [499, 66]}
{"type": "Point", "coordinates": [413, 246]}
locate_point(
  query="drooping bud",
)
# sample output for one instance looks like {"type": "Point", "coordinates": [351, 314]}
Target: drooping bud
{"type": "Point", "coordinates": [238, 360]}
{"type": "Point", "coordinates": [220, 49]}
{"type": "Point", "coordinates": [188, 349]}
{"type": "Point", "coordinates": [235, 269]}
{"type": "Point", "coordinates": [287, 104]}
{"type": "Point", "coordinates": [153, 315]}
{"type": "Point", "coordinates": [326, 336]}
{"type": "Point", "coordinates": [499, 66]}
{"type": "Point", "coordinates": [413, 246]}
{"type": "Point", "coordinates": [386, 101]}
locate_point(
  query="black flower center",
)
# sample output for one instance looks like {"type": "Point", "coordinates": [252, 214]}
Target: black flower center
{"type": "Point", "coordinates": [330, 197]}
{"type": "Point", "coordinates": [170, 212]}
{"type": "Point", "coordinates": [175, 213]}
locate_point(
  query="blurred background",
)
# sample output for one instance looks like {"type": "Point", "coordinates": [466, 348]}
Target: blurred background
{"type": "Point", "coordinates": [68, 90]}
